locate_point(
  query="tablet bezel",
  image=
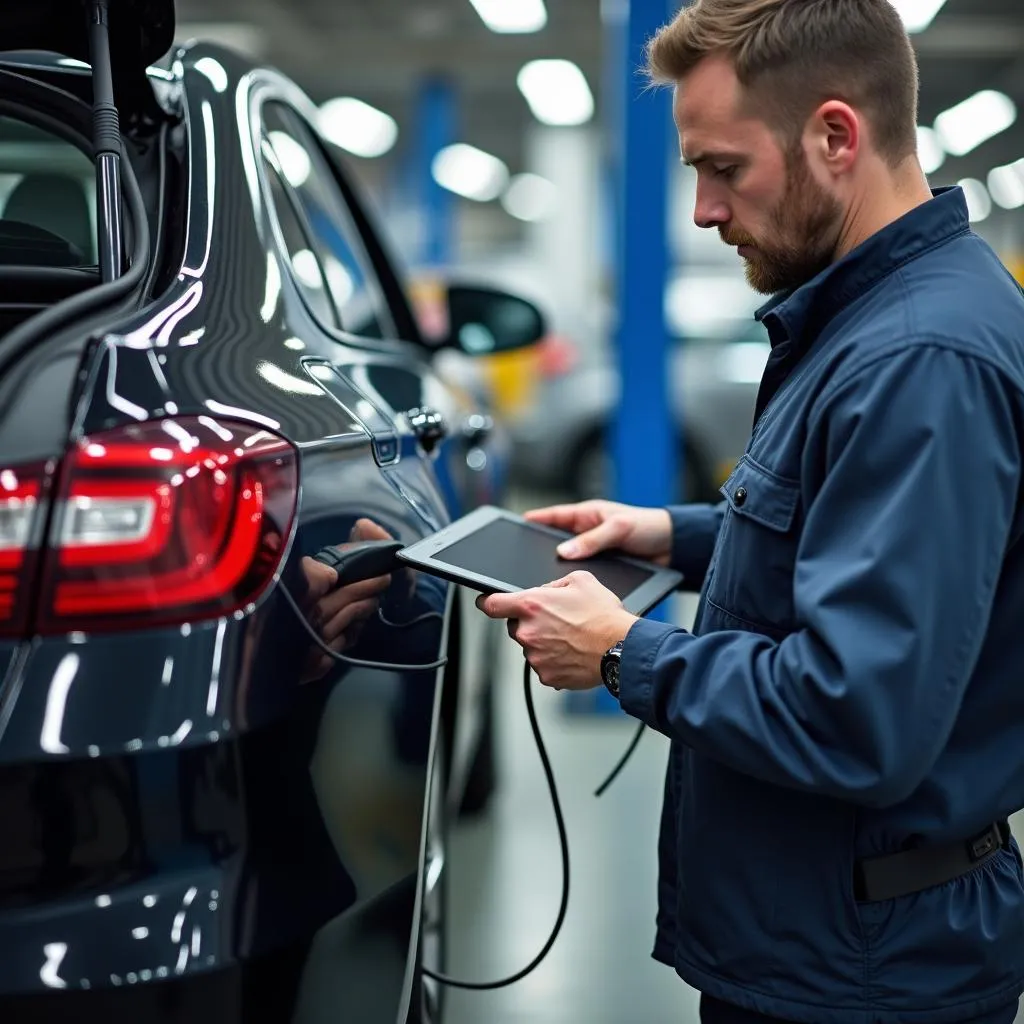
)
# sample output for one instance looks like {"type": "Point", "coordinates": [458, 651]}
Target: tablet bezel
{"type": "Point", "coordinates": [422, 555]}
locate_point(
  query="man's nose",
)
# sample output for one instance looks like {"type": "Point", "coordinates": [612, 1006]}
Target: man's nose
{"type": "Point", "coordinates": [709, 211]}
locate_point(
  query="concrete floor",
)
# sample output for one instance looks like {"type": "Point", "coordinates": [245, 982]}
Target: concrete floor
{"type": "Point", "coordinates": [506, 880]}
{"type": "Point", "coordinates": [505, 876]}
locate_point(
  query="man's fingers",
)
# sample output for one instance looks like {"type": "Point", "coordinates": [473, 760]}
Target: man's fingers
{"type": "Point", "coordinates": [320, 579]}
{"type": "Point", "coordinates": [499, 606]}
{"type": "Point", "coordinates": [367, 529]}
{"type": "Point", "coordinates": [336, 626]}
{"type": "Point", "coordinates": [610, 534]}
{"type": "Point", "coordinates": [571, 518]}
{"type": "Point", "coordinates": [338, 599]}
{"type": "Point", "coordinates": [565, 581]}
{"type": "Point", "coordinates": [562, 516]}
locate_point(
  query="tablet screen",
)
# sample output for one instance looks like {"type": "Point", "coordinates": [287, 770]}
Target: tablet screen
{"type": "Point", "coordinates": [525, 557]}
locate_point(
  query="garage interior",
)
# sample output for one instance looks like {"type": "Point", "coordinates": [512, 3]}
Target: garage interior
{"type": "Point", "coordinates": [506, 142]}
{"type": "Point", "coordinates": [444, 77]}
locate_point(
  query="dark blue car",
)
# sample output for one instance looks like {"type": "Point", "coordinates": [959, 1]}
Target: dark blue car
{"type": "Point", "coordinates": [209, 371]}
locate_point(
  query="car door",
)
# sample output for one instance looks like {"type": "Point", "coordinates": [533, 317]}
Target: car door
{"type": "Point", "coordinates": [374, 752]}
{"type": "Point", "coordinates": [381, 352]}
{"type": "Point", "coordinates": [358, 298]}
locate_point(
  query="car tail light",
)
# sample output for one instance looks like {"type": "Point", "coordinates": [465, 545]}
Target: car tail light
{"type": "Point", "coordinates": [20, 490]}
{"type": "Point", "coordinates": [166, 521]}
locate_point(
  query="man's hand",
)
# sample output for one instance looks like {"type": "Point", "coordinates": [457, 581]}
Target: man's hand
{"type": "Point", "coordinates": [338, 613]}
{"type": "Point", "coordinates": [367, 529]}
{"type": "Point", "coordinates": [607, 525]}
{"type": "Point", "coordinates": [564, 627]}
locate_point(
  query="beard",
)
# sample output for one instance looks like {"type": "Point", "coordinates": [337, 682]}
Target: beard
{"type": "Point", "coordinates": [804, 230]}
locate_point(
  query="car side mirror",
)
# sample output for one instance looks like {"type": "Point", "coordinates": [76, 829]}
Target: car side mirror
{"type": "Point", "coordinates": [484, 321]}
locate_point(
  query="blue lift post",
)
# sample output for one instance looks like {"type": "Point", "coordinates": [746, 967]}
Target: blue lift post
{"type": "Point", "coordinates": [435, 129]}
{"type": "Point", "coordinates": [642, 441]}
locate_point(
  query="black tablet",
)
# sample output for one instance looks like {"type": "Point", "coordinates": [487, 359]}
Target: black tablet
{"type": "Point", "coordinates": [495, 551]}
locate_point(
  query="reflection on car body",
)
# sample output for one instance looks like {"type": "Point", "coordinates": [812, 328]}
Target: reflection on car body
{"type": "Point", "coordinates": [206, 820]}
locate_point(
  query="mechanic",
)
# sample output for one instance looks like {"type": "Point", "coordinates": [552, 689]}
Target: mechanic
{"type": "Point", "coordinates": [847, 716]}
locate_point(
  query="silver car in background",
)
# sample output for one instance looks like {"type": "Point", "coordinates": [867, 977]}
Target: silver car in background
{"type": "Point", "coordinates": [559, 433]}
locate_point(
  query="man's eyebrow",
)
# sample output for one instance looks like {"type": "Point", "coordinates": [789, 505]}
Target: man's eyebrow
{"type": "Point", "coordinates": [717, 157]}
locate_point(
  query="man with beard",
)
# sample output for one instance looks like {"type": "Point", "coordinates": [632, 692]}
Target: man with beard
{"type": "Point", "coordinates": [847, 715]}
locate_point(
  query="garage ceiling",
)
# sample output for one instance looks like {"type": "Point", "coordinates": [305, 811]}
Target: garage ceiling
{"type": "Point", "coordinates": [380, 50]}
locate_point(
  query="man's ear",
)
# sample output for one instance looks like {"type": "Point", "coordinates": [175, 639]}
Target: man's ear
{"type": "Point", "coordinates": [835, 136]}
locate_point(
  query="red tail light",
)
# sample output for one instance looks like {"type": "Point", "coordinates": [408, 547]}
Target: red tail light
{"type": "Point", "coordinates": [166, 521]}
{"type": "Point", "coordinates": [19, 499]}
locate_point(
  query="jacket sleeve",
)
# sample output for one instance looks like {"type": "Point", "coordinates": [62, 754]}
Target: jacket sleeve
{"type": "Point", "coordinates": [694, 532]}
{"type": "Point", "coordinates": [897, 567]}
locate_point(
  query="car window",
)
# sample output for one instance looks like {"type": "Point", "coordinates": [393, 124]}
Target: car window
{"type": "Point", "coordinates": [307, 269]}
{"type": "Point", "coordinates": [47, 199]}
{"type": "Point", "coordinates": [351, 284]}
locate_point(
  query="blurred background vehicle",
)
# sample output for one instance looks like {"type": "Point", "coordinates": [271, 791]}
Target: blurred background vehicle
{"type": "Point", "coordinates": [560, 432]}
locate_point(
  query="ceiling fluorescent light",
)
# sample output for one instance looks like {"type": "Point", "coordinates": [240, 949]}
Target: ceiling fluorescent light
{"type": "Point", "coordinates": [470, 172]}
{"type": "Point", "coordinates": [508, 16]}
{"type": "Point", "coordinates": [929, 150]}
{"type": "Point", "coordinates": [979, 202]}
{"type": "Point", "coordinates": [917, 15]}
{"type": "Point", "coordinates": [974, 121]}
{"type": "Point", "coordinates": [556, 91]}
{"type": "Point", "coordinates": [1006, 184]}
{"type": "Point", "coordinates": [529, 197]}
{"type": "Point", "coordinates": [357, 127]}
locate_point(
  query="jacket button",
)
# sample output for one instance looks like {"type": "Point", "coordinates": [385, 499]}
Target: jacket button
{"type": "Point", "coordinates": [740, 496]}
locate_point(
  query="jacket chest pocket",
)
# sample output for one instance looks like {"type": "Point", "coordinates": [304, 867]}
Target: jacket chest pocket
{"type": "Point", "coordinates": [756, 553]}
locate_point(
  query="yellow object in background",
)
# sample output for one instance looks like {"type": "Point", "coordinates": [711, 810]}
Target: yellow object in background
{"type": "Point", "coordinates": [1015, 264]}
{"type": "Point", "coordinates": [723, 471]}
{"type": "Point", "coordinates": [512, 377]}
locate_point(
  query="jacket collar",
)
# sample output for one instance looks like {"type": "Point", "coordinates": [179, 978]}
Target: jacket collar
{"type": "Point", "coordinates": [800, 315]}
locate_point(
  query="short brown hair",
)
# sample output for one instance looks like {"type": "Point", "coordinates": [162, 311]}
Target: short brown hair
{"type": "Point", "coordinates": [792, 55]}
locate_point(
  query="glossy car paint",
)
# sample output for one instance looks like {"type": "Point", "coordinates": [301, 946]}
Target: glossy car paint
{"type": "Point", "coordinates": [193, 831]}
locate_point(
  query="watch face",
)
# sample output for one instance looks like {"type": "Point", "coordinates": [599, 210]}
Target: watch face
{"type": "Point", "coordinates": [610, 670]}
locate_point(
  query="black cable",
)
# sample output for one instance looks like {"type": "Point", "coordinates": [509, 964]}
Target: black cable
{"type": "Point", "coordinates": [425, 617]}
{"type": "Point", "coordinates": [357, 662]}
{"type": "Point", "coordinates": [563, 840]}
{"type": "Point", "coordinates": [600, 791]}
{"type": "Point", "coordinates": [549, 777]}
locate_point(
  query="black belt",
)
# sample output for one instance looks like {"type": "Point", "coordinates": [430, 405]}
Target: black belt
{"type": "Point", "coordinates": [909, 871]}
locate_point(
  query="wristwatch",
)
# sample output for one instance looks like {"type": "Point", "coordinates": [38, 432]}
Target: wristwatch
{"type": "Point", "coordinates": [610, 664]}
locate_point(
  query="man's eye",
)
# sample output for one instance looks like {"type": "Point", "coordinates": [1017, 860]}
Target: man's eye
{"type": "Point", "coordinates": [726, 172]}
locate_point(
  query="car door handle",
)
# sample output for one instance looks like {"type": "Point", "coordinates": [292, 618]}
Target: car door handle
{"type": "Point", "coordinates": [428, 425]}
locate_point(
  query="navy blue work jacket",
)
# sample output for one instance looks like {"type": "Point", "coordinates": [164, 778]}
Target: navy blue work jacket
{"type": "Point", "coordinates": [854, 683]}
